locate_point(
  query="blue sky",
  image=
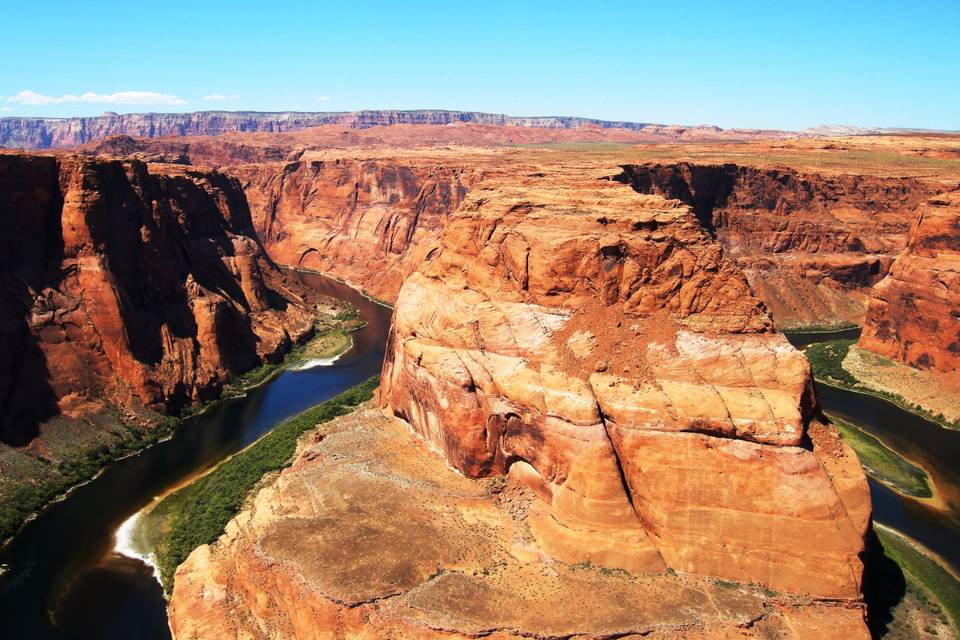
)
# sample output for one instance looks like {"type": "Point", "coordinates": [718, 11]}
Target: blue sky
{"type": "Point", "coordinates": [734, 64]}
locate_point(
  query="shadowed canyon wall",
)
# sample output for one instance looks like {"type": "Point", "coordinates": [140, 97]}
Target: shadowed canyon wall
{"type": "Point", "coordinates": [126, 285]}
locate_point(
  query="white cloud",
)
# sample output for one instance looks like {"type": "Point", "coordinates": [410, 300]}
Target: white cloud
{"type": "Point", "coordinates": [6, 108]}
{"type": "Point", "coordinates": [323, 98]}
{"type": "Point", "coordinates": [216, 97]}
{"type": "Point", "coordinates": [121, 97]}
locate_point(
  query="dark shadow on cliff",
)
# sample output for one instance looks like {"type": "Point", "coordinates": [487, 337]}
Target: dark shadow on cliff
{"type": "Point", "coordinates": [27, 399]}
{"type": "Point", "coordinates": [884, 586]}
{"type": "Point", "coordinates": [31, 249]}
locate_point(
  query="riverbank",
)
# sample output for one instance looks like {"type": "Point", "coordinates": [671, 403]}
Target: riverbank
{"type": "Point", "coordinates": [929, 603]}
{"type": "Point", "coordinates": [197, 513]}
{"type": "Point", "coordinates": [827, 365]}
{"type": "Point", "coordinates": [883, 463]}
{"type": "Point", "coordinates": [826, 329]}
{"type": "Point", "coordinates": [937, 393]}
{"type": "Point", "coordinates": [354, 286]}
{"type": "Point", "coordinates": [75, 452]}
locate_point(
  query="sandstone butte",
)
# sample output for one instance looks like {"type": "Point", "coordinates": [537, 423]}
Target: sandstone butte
{"type": "Point", "coordinates": [914, 312]}
{"type": "Point", "coordinates": [595, 346]}
{"type": "Point", "coordinates": [129, 287]}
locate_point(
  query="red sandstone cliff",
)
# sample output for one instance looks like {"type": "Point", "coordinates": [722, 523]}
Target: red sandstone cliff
{"type": "Point", "coordinates": [914, 312]}
{"type": "Point", "coordinates": [596, 345]}
{"type": "Point", "coordinates": [812, 245]}
{"type": "Point", "coordinates": [368, 222]}
{"type": "Point", "coordinates": [129, 285]}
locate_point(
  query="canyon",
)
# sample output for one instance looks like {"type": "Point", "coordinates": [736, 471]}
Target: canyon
{"type": "Point", "coordinates": [130, 292]}
{"type": "Point", "coordinates": [585, 397]}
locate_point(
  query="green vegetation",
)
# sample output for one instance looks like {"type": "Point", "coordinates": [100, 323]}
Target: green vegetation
{"type": "Point", "coordinates": [197, 514]}
{"type": "Point", "coordinates": [826, 363]}
{"type": "Point", "coordinates": [821, 328]}
{"type": "Point", "coordinates": [77, 452]}
{"type": "Point", "coordinates": [932, 585]}
{"type": "Point", "coordinates": [328, 345]}
{"type": "Point", "coordinates": [884, 464]}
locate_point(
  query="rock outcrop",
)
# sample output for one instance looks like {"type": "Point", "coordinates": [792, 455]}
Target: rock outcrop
{"type": "Point", "coordinates": [914, 312]}
{"type": "Point", "coordinates": [44, 133]}
{"type": "Point", "coordinates": [369, 222]}
{"type": "Point", "coordinates": [596, 345]}
{"type": "Point", "coordinates": [812, 245]}
{"type": "Point", "coordinates": [368, 534]}
{"type": "Point", "coordinates": [127, 285]}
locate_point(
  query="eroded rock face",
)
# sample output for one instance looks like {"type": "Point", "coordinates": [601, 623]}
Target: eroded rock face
{"type": "Point", "coordinates": [370, 535]}
{"type": "Point", "coordinates": [811, 245]}
{"type": "Point", "coordinates": [126, 285]}
{"type": "Point", "coordinates": [596, 345]}
{"type": "Point", "coordinates": [914, 313]}
{"type": "Point", "coordinates": [368, 222]}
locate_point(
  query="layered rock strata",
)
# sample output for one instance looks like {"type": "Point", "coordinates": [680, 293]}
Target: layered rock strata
{"type": "Point", "coordinates": [369, 222]}
{"type": "Point", "coordinates": [596, 345]}
{"type": "Point", "coordinates": [368, 534]}
{"type": "Point", "coordinates": [812, 245]}
{"type": "Point", "coordinates": [127, 285]}
{"type": "Point", "coordinates": [44, 133]}
{"type": "Point", "coordinates": [914, 312]}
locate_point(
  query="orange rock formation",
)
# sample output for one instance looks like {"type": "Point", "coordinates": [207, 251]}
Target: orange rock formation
{"type": "Point", "coordinates": [596, 344]}
{"type": "Point", "coordinates": [914, 313]}
{"type": "Point", "coordinates": [368, 534]}
{"type": "Point", "coordinates": [128, 286]}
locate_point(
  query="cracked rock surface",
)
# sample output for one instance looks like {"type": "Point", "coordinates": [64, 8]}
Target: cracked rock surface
{"type": "Point", "coordinates": [369, 534]}
{"type": "Point", "coordinates": [596, 344]}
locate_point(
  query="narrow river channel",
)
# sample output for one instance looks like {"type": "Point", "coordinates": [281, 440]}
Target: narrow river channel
{"type": "Point", "coordinates": [61, 576]}
{"type": "Point", "coordinates": [921, 441]}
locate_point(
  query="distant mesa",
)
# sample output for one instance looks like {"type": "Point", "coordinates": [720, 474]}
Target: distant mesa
{"type": "Point", "coordinates": [46, 133]}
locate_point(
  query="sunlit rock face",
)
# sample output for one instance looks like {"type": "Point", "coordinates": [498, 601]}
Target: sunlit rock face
{"type": "Point", "coordinates": [367, 222]}
{"type": "Point", "coordinates": [368, 534]}
{"type": "Point", "coordinates": [914, 313]}
{"type": "Point", "coordinates": [596, 344]}
{"type": "Point", "coordinates": [811, 244]}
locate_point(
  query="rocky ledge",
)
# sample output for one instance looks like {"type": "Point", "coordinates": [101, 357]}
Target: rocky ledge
{"type": "Point", "coordinates": [369, 534]}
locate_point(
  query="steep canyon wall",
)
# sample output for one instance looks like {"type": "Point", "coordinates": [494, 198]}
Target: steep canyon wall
{"type": "Point", "coordinates": [811, 245]}
{"type": "Point", "coordinates": [914, 312]}
{"type": "Point", "coordinates": [130, 285]}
